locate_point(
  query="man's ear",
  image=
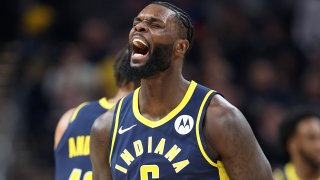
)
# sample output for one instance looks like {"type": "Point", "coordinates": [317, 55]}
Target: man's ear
{"type": "Point", "coordinates": [181, 46]}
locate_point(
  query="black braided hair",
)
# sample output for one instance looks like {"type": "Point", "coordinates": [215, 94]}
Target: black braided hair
{"type": "Point", "coordinates": [183, 18]}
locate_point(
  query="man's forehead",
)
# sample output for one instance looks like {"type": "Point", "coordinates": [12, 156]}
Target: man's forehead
{"type": "Point", "coordinates": [309, 124]}
{"type": "Point", "coordinates": [156, 11]}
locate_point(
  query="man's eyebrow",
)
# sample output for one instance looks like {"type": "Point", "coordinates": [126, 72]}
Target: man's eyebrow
{"type": "Point", "coordinates": [149, 19]}
{"type": "Point", "coordinates": [153, 19]}
{"type": "Point", "coordinates": [137, 19]}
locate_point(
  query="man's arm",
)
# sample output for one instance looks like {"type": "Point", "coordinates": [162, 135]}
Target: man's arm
{"type": "Point", "coordinates": [229, 135]}
{"type": "Point", "coordinates": [100, 146]}
{"type": "Point", "coordinates": [62, 126]}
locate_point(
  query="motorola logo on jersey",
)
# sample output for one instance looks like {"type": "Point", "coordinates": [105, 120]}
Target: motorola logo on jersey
{"type": "Point", "coordinates": [184, 124]}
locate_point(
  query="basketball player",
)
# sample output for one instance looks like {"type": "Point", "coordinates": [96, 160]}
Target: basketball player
{"type": "Point", "coordinates": [72, 136]}
{"type": "Point", "coordinates": [171, 128]}
{"type": "Point", "coordinates": [300, 136]}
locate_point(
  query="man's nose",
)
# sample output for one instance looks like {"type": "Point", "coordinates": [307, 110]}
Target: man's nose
{"type": "Point", "coordinates": [141, 27]}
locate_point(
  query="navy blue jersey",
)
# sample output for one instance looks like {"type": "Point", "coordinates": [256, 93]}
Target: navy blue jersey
{"type": "Point", "coordinates": [170, 148]}
{"type": "Point", "coordinates": [72, 160]}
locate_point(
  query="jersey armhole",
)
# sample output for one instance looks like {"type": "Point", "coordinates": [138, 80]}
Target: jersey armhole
{"type": "Point", "coordinates": [76, 112]}
{"type": "Point", "coordinates": [71, 118]}
{"type": "Point", "coordinates": [65, 120]}
{"type": "Point", "coordinates": [200, 137]}
{"type": "Point", "coordinates": [114, 128]}
{"type": "Point", "coordinates": [199, 134]}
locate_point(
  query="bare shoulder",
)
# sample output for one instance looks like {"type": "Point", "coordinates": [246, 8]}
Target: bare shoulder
{"type": "Point", "coordinates": [230, 137]}
{"type": "Point", "coordinates": [223, 122]}
{"type": "Point", "coordinates": [62, 126]}
{"type": "Point", "coordinates": [100, 145]}
{"type": "Point", "coordinates": [103, 123]}
{"type": "Point", "coordinates": [222, 114]}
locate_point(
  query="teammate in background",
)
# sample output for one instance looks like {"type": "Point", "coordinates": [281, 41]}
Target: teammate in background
{"type": "Point", "coordinates": [171, 128]}
{"type": "Point", "coordinates": [72, 136]}
{"type": "Point", "coordinates": [300, 136]}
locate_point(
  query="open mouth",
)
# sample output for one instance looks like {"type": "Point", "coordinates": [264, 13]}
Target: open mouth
{"type": "Point", "coordinates": [140, 49]}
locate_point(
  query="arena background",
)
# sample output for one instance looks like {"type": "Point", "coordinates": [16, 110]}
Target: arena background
{"type": "Point", "coordinates": [262, 55]}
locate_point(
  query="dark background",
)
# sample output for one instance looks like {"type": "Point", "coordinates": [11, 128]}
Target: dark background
{"type": "Point", "coordinates": [262, 55]}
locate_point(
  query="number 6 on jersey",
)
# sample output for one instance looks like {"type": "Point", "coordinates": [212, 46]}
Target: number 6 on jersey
{"type": "Point", "coordinates": [145, 169]}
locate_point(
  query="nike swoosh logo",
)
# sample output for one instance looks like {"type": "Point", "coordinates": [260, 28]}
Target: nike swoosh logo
{"type": "Point", "coordinates": [121, 131]}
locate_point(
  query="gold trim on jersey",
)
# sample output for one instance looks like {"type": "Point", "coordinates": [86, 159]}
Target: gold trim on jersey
{"type": "Point", "coordinates": [222, 172]}
{"type": "Point", "coordinates": [115, 129]}
{"type": "Point", "coordinates": [198, 130]}
{"type": "Point", "coordinates": [105, 103]}
{"type": "Point", "coordinates": [290, 172]}
{"type": "Point", "coordinates": [168, 117]}
{"type": "Point", "coordinates": [76, 111]}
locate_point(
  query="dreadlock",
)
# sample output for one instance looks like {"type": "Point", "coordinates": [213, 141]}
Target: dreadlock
{"type": "Point", "coordinates": [183, 18]}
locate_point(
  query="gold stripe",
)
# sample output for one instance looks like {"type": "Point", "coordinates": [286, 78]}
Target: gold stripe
{"type": "Point", "coordinates": [290, 172]}
{"type": "Point", "coordinates": [168, 117]}
{"type": "Point", "coordinates": [198, 129]}
{"type": "Point", "coordinates": [105, 103]}
{"type": "Point", "coordinates": [115, 129]}
{"type": "Point", "coordinates": [222, 171]}
{"type": "Point", "coordinates": [74, 115]}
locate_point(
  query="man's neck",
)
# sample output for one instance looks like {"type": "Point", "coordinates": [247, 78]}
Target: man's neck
{"type": "Point", "coordinates": [160, 95]}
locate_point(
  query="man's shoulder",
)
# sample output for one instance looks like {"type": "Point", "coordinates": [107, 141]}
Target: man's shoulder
{"type": "Point", "coordinates": [89, 106]}
{"type": "Point", "coordinates": [222, 115]}
{"type": "Point", "coordinates": [219, 110]}
{"type": "Point", "coordinates": [91, 110]}
{"type": "Point", "coordinates": [62, 126]}
{"type": "Point", "coordinates": [220, 107]}
{"type": "Point", "coordinates": [104, 122]}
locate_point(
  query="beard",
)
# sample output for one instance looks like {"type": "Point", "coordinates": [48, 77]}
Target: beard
{"type": "Point", "coordinates": [310, 160]}
{"type": "Point", "coordinates": [159, 61]}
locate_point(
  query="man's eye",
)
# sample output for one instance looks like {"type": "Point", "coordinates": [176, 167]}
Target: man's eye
{"type": "Point", "coordinates": [135, 22]}
{"type": "Point", "coordinates": [156, 25]}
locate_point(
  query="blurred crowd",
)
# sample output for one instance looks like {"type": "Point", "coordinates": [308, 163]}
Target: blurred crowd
{"type": "Point", "coordinates": [262, 55]}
